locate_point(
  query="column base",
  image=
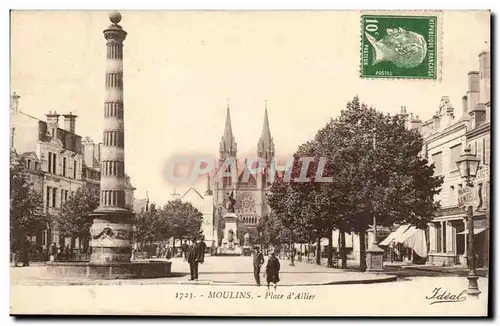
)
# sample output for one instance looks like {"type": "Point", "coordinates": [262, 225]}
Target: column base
{"type": "Point", "coordinates": [473, 288]}
{"type": "Point", "coordinates": [111, 236]}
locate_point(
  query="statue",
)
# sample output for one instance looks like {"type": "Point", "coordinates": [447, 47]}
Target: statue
{"type": "Point", "coordinates": [230, 202]}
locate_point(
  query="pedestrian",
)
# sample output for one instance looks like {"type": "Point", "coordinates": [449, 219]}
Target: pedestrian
{"type": "Point", "coordinates": [185, 248]}
{"type": "Point", "coordinates": [52, 252]}
{"type": "Point", "coordinates": [272, 270]}
{"type": "Point", "coordinates": [258, 261]}
{"type": "Point", "coordinates": [193, 258]}
{"type": "Point", "coordinates": [203, 248]}
{"type": "Point", "coordinates": [25, 252]}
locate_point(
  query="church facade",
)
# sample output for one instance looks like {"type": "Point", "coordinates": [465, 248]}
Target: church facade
{"type": "Point", "coordinates": [249, 190]}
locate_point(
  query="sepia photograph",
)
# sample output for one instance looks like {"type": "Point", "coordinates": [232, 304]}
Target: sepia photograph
{"type": "Point", "coordinates": [250, 162]}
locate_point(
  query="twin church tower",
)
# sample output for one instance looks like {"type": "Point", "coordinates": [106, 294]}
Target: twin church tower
{"type": "Point", "coordinates": [250, 192]}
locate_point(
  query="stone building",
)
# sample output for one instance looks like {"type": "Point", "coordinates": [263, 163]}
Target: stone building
{"type": "Point", "coordinates": [446, 135]}
{"type": "Point", "coordinates": [249, 190]}
{"type": "Point", "coordinates": [58, 160]}
{"type": "Point", "coordinates": [52, 151]}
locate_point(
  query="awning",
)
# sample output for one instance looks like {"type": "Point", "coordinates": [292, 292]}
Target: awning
{"type": "Point", "coordinates": [476, 231]}
{"type": "Point", "coordinates": [406, 235]}
{"type": "Point", "coordinates": [388, 240]}
{"type": "Point", "coordinates": [394, 235]}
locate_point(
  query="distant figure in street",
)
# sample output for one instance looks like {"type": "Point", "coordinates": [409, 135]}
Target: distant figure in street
{"type": "Point", "coordinates": [258, 261]}
{"type": "Point", "coordinates": [185, 248]}
{"type": "Point", "coordinates": [272, 270]}
{"type": "Point", "coordinates": [52, 252]}
{"type": "Point", "coordinates": [193, 258]}
{"type": "Point", "coordinates": [25, 252]}
{"type": "Point", "coordinates": [203, 248]}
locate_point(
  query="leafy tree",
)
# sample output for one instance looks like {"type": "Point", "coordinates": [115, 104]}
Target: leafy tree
{"type": "Point", "coordinates": [376, 160]}
{"type": "Point", "coordinates": [146, 224]}
{"type": "Point", "coordinates": [73, 220]}
{"type": "Point", "coordinates": [183, 219]}
{"type": "Point", "coordinates": [27, 217]}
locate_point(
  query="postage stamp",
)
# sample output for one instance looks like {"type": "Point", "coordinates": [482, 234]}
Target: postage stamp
{"type": "Point", "coordinates": [399, 46]}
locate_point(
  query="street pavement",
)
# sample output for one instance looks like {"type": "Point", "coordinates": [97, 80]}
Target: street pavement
{"type": "Point", "coordinates": [216, 271]}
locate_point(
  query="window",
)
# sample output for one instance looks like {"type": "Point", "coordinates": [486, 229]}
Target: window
{"type": "Point", "coordinates": [64, 167]}
{"type": "Point", "coordinates": [74, 169]}
{"type": "Point", "coordinates": [54, 196]}
{"type": "Point", "coordinates": [66, 195]}
{"type": "Point", "coordinates": [437, 159]}
{"type": "Point", "coordinates": [444, 236]}
{"type": "Point", "coordinates": [438, 237]}
{"type": "Point", "coordinates": [487, 150]}
{"type": "Point", "coordinates": [49, 193]}
{"type": "Point", "coordinates": [455, 153]}
{"type": "Point", "coordinates": [479, 150]}
{"type": "Point", "coordinates": [28, 164]}
{"type": "Point", "coordinates": [49, 167]}
{"type": "Point", "coordinates": [54, 161]}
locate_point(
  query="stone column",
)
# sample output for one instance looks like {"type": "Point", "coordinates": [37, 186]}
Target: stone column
{"type": "Point", "coordinates": [111, 231]}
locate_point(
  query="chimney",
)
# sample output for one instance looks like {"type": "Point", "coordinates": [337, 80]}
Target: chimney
{"type": "Point", "coordinates": [404, 115]}
{"type": "Point", "coordinates": [435, 120]}
{"type": "Point", "coordinates": [464, 104]}
{"type": "Point", "coordinates": [473, 90]}
{"type": "Point", "coordinates": [69, 122]}
{"type": "Point", "coordinates": [416, 123]}
{"type": "Point", "coordinates": [53, 119]}
{"type": "Point", "coordinates": [484, 77]}
{"type": "Point", "coordinates": [14, 102]}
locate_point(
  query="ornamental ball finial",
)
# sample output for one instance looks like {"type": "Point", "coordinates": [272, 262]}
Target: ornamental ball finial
{"type": "Point", "coordinates": [115, 17]}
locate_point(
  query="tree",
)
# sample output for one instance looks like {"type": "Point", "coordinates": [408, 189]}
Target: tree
{"type": "Point", "coordinates": [376, 159]}
{"type": "Point", "coordinates": [146, 224]}
{"type": "Point", "coordinates": [73, 219]}
{"type": "Point", "coordinates": [27, 217]}
{"type": "Point", "coordinates": [183, 219]}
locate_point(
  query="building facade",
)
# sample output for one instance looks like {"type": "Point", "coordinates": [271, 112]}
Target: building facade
{"type": "Point", "coordinates": [446, 135]}
{"type": "Point", "coordinates": [249, 190]}
{"type": "Point", "coordinates": [58, 161]}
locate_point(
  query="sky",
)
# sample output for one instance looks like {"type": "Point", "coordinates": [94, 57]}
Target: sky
{"type": "Point", "coordinates": [182, 68]}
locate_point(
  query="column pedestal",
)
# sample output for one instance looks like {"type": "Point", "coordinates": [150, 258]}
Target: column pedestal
{"type": "Point", "coordinates": [111, 235]}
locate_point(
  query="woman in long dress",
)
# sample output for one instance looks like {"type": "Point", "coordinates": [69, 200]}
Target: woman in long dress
{"type": "Point", "coordinates": [272, 270]}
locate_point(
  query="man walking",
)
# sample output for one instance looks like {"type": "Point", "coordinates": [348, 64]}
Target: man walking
{"type": "Point", "coordinates": [185, 249]}
{"type": "Point", "coordinates": [258, 261]}
{"type": "Point", "coordinates": [203, 248]}
{"type": "Point", "coordinates": [193, 258]}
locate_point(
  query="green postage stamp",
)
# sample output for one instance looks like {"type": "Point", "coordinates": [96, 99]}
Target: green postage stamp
{"type": "Point", "coordinates": [398, 46]}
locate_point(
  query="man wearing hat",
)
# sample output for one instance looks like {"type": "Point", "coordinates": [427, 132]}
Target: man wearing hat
{"type": "Point", "coordinates": [194, 257]}
{"type": "Point", "coordinates": [258, 261]}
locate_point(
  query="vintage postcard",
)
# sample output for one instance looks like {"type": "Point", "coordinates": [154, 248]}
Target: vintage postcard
{"type": "Point", "coordinates": [250, 163]}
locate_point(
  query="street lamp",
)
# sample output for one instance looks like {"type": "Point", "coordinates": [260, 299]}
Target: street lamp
{"type": "Point", "coordinates": [374, 254]}
{"type": "Point", "coordinates": [468, 165]}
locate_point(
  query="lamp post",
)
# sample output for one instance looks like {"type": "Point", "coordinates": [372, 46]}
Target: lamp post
{"type": "Point", "coordinates": [468, 165]}
{"type": "Point", "coordinates": [374, 254]}
{"type": "Point", "coordinates": [292, 263]}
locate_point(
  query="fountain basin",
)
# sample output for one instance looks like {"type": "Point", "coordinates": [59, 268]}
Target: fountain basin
{"type": "Point", "coordinates": [110, 270]}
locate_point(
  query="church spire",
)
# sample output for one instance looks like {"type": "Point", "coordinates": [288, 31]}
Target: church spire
{"type": "Point", "coordinates": [228, 142]}
{"type": "Point", "coordinates": [265, 147]}
{"type": "Point", "coordinates": [228, 131]}
{"type": "Point", "coordinates": [266, 132]}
